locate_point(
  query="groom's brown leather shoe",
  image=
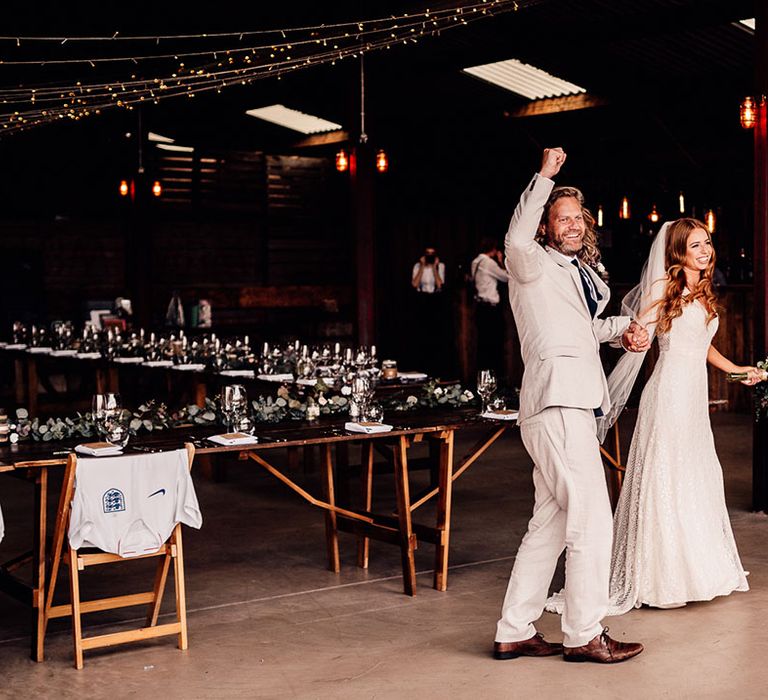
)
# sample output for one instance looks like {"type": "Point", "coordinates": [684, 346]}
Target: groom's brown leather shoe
{"type": "Point", "coordinates": [535, 646]}
{"type": "Point", "coordinates": [603, 650]}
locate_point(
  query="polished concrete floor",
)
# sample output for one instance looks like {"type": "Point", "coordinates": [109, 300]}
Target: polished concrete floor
{"type": "Point", "coordinates": [268, 621]}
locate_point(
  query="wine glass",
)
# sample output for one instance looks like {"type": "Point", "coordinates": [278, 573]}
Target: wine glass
{"type": "Point", "coordinates": [234, 402]}
{"type": "Point", "coordinates": [486, 386]}
{"type": "Point", "coordinates": [104, 408]}
{"type": "Point", "coordinates": [361, 394]}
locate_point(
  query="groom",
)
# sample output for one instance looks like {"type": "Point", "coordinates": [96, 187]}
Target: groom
{"type": "Point", "coordinates": [556, 299]}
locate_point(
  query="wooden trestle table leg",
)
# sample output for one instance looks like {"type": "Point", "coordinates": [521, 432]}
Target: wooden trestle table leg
{"type": "Point", "coordinates": [331, 528]}
{"type": "Point", "coordinates": [444, 511]}
{"type": "Point", "coordinates": [38, 565]}
{"type": "Point", "coordinates": [366, 479]}
{"type": "Point", "coordinates": [407, 539]}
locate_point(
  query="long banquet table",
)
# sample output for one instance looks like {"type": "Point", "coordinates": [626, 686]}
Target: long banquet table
{"type": "Point", "coordinates": [32, 462]}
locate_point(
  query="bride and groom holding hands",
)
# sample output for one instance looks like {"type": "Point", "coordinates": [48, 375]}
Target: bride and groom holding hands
{"type": "Point", "coordinates": [670, 541]}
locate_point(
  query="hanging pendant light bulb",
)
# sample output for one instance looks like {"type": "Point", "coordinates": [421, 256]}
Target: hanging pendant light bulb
{"type": "Point", "coordinates": [382, 162]}
{"type": "Point", "coordinates": [709, 220]}
{"type": "Point", "coordinates": [624, 211]}
{"type": "Point", "coordinates": [124, 188]}
{"type": "Point", "coordinates": [600, 216]}
{"type": "Point", "coordinates": [681, 203]}
{"type": "Point", "coordinates": [342, 161]}
{"type": "Point", "coordinates": [654, 215]}
{"type": "Point", "coordinates": [157, 188]}
{"type": "Point", "coordinates": [748, 113]}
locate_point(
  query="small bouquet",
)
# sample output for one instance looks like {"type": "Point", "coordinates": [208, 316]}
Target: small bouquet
{"type": "Point", "coordinates": [760, 395]}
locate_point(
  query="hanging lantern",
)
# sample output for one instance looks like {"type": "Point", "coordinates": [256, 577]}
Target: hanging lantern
{"type": "Point", "coordinates": [748, 113]}
{"type": "Point", "coordinates": [709, 220]}
{"type": "Point", "coordinates": [624, 211]}
{"type": "Point", "coordinates": [681, 202]}
{"type": "Point", "coordinates": [124, 188]}
{"type": "Point", "coordinates": [342, 161]}
{"type": "Point", "coordinates": [654, 215]}
{"type": "Point", "coordinates": [157, 188]}
{"type": "Point", "coordinates": [382, 162]}
{"type": "Point", "coordinates": [600, 216]}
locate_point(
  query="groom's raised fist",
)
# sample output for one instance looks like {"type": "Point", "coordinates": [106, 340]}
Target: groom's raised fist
{"type": "Point", "coordinates": [552, 161]}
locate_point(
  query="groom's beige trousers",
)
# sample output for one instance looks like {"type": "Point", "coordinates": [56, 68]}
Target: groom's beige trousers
{"type": "Point", "coordinates": [571, 511]}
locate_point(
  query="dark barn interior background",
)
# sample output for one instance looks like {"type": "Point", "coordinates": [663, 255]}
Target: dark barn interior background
{"type": "Point", "coordinates": [261, 223]}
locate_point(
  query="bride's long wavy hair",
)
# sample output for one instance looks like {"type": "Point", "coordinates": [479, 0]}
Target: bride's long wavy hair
{"type": "Point", "coordinates": [590, 253]}
{"type": "Point", "coordinates": [672, 303]}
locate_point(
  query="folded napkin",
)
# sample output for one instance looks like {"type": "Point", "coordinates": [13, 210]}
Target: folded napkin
{"type": "Point", "coordinates": [367, 427]}
{"type": "Point", "coordinates": [237, 373]}
{"type": "Point", "coordinates": [88, 355]}
{"type": "Point", "coordinates": [411, 375]}
{"type": "Point", "coordinates": [128, 360]}
{"type": "Point", "coordinates": [158, 363]}
{"type": "Point", "coordinates": [196, 367]}
{"type": "Point", "coordinates": [276, 377]}
{"type": "Point", "coordinates": [502, 414]}
{"type": "Point", "coordinates": [98, 449]}
{"type": "Point", "coordinates": [230, 439]}
{"type": "Point", "coordinates": [16, 346]}
{"type": "Point", "coordinates": [39, 350]}
{"type": "Point", "coordinates": [63, 353]}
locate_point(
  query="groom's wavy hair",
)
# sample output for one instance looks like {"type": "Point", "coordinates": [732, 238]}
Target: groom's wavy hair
{"type": "Point", "coordinates": [672, 303]}
{"type": "Point", "coordinates": [590, 253]}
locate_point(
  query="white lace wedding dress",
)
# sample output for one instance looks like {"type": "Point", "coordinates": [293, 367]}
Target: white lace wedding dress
{"type": "Point", "coordinates": [673, 541]}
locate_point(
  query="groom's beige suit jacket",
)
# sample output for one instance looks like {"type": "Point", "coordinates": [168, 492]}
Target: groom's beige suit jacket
{"type": "Point", "coordinates": [560, 342]}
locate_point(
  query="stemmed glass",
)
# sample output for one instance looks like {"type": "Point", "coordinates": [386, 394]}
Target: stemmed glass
{"type": "Point", "coordinates": [109, 419]}
{"type": "Point", "coordinates": [362, 392]}
{"type": "Point", "coordinates": [234, 402]}
{"type": "Point", "coordinates": [486, 386]}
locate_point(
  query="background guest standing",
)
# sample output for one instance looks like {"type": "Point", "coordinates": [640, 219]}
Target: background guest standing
{"type": "Point", "coordinates": [486, 272]}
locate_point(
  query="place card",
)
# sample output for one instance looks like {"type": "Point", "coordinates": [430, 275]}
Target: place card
{"type": "Point", "coordinates": [367, 427]}
{"type": "Point", "coordinates": [98, 449]}
{"type": "Point", "coordinates": [501, 414]}
{"type": "Point", "coordinates": [248, 373]}
{"type": "Point", "coordinates": [412, 376]}
{"type": "Point", "coordinates": [231, 439]}
{"type": "Point", "coordinates": [276, 377]}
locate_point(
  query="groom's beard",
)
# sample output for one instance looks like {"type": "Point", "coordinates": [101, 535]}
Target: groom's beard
{"type": "Point", "coordinates": [564, 244]}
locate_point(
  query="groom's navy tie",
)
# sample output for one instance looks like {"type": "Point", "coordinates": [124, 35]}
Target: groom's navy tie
{"type": "Point", "coordinates": [588, 286]}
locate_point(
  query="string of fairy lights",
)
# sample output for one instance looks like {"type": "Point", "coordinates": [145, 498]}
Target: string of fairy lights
{"type": "Point", "coordinates": [237, 59]}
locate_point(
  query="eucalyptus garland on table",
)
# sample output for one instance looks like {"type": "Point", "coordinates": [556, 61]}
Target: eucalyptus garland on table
{"type": "Point", "coordinates": [290, 403]}
{"type": "Point", "coordinates": [147, 418]}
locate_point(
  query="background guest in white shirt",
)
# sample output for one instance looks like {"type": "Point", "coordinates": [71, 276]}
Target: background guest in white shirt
{"type": "Point", "coordinates": [428, 274]}
{"type": "Point", "coordinates": [487, 271]}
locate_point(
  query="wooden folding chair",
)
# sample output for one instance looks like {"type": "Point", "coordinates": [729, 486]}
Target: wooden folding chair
{"type": "Point", "coordinates": [77, 561]}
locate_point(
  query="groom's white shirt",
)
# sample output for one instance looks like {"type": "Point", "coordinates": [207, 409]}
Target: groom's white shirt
{"type": "Point", "coordinates": [559, 340]}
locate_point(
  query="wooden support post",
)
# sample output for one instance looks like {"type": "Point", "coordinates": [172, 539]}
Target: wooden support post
{"type": "Point", "coordinates": [32, 386]}
{"type": "Point", "coordinates": [760, 256]}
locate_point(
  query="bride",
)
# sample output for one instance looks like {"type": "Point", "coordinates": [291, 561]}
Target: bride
{"type": "Point", "coordinates": [672, 537]}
